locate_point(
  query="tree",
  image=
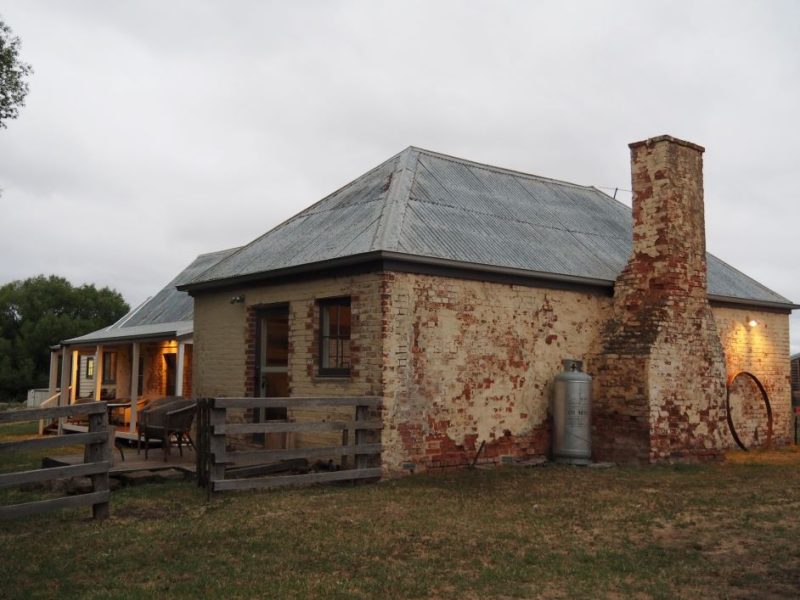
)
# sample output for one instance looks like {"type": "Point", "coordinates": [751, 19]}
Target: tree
{"type": "Point", "coordinates": [40, 312]}
{"type": "Point", "coordinates": [13, 87]}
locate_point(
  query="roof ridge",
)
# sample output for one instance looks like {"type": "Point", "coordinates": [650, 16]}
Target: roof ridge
{"type": "Point", "coordinates": [224, 251]}
{"type": "Point", "coordinates": [387, 233]}
{"type": "Point", "coordinates": [294, 217]}
{"type": "Point", "coordinates": [497, 169]}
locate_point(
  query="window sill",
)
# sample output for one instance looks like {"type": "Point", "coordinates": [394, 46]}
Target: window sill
{"type": "Point", "coordinates": [331, 378]}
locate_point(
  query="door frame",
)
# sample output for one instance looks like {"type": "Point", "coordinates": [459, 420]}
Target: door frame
{"type": "Point", "coordinates": [260, 312]}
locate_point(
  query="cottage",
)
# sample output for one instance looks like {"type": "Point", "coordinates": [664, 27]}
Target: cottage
{"type": "Point", "coordinates": [144, 355]}
{"type": "Point", "coordinates": [454, 289]}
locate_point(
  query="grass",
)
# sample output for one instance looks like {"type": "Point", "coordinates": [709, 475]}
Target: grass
{"type": "Point", "coordinates": [722, 531]}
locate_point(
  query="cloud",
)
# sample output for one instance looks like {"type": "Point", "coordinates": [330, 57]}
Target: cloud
{"type": "Point", "coordinates": [155, 131]}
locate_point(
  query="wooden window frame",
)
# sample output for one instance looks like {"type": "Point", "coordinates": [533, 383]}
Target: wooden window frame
{"type": "Point", "coordinates": [327, 371]}
{"type": "Point", "coordinates": [89, 373]}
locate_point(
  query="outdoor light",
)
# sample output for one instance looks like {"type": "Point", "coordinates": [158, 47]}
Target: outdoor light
{"type": "Point", "coordinates": [752, 322]}
{"type": "Point", "coordinates": [238, 299]}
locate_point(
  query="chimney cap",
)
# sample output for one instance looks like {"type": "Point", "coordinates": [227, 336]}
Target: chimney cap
{"type": "Point", "coordinates": [666, 138]}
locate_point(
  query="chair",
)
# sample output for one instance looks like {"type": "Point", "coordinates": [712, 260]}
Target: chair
{"type": "Point", "coordinates": [142, 415]}
{"type": "Point", "coordinates": [166, 420]}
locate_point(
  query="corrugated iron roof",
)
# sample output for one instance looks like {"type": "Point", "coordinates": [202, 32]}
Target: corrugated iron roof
{"type": "Point", "coordinates": [424, 204]}
{"type": "Point", "coordinates": [152, 330]}
{"type": "Point", "coordinates": [167, 314]}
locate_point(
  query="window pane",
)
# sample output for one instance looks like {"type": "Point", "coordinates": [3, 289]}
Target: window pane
{"type": "Point", "coordinates": [335, 334]}
{"type": "Point", "coordinates": [275, 339]}
{"type": "Point", "coordinates": [344, 322]}
{"type": "Point", "coordinates": [333, 311]}
{"type": "Point", "coordinates": [325, 359]}
{"type": "Point", "coordinates": [275, 385]}
{"type": "Point", "coordinates": [325, 314]}
{"type": "Point", "coordinates": [333, 353]}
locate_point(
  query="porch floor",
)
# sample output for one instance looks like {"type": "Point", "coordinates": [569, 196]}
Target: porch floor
{"type": "Point", "coordinates": [136, 462]}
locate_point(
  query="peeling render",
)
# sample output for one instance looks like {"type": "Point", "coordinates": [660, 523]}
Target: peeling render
{"type": "Point", "coordinates": [467, 366]}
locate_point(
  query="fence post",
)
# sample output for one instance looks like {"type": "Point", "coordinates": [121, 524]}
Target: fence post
{"type": "Point", "coordinates": [362, 413]}
{"type": "Point", "coordinates": [345, 443]}
{"type": "Point", "coordinates": [202, 476]}
{"type": "Point", "coordinates": [98, 452]}
{"type": "Point", "coordinates": [203, 434]}
{"type": "Point", "coordinates": [217, 416]}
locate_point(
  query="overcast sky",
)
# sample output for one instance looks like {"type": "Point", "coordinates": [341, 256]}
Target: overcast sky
{"type": "Point", "coordinates": [155, 131]}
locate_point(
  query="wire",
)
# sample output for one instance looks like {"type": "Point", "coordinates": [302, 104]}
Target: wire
{"type": "Point", "coordinates": [603, 187]}
{"type": "Point", "coordinates": [616, 189]}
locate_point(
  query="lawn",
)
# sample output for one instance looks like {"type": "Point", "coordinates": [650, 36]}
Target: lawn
{"type": "Point", "coordinates": [723, 531]}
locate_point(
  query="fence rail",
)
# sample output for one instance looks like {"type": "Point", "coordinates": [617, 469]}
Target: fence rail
{"type": "Point", "coordinates": [97, 460]}
{"type": "Point", "coordinates": [215, 459]}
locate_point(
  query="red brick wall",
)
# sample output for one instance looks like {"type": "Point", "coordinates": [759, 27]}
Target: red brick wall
{"type": "Point", "coordinates": [467, 362]}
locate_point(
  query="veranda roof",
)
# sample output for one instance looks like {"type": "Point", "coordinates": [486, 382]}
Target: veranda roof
{"type": "Point", "coordinates": [168, 314]}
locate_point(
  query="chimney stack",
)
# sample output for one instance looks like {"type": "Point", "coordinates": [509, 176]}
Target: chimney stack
{"type": "Point", "coordinates": [669, 240]}
{"type": "Point", "coordinates": [661, 375]}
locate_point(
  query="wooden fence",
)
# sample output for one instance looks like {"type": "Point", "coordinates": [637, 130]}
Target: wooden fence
{"type": "Point", "coordinates": [214, 457]}
{"type": "Point", "coordinates": [97, 460]}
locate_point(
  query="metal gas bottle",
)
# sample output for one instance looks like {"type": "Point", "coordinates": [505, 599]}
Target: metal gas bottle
{"type": "Point", "coordinates": [572, 415]}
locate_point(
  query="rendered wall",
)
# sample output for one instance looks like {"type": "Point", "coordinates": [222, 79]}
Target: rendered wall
{"type": "Point", "coordinates": [458, 362]}
{"type": "Point", "coordinates": [467, 362]}
{"type": "Point", "coordinates": [762, 350]}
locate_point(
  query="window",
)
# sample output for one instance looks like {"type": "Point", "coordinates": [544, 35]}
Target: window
{"type": "Point", "coordinates": [109, 367]}
{"type": "Point", "coordinates": [90, 367]}
{"type": "Point", "coordinates": [334, 337]}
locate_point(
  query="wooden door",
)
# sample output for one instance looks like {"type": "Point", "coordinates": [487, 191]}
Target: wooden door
{"type": "Point", "coordinates": [272, 372]}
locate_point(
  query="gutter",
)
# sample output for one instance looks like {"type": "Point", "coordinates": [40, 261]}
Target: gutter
{"type": "Point", "coordinates": [382, 256]}
{"type": "Point", "coordinates": [755, 303]}
{"type": "Point", "coordinates": [385, 255]}
{"type": "Point", "coordinates": [122, 338]}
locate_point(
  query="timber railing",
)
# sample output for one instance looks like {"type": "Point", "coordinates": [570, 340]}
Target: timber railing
{"type": "Point", "coordinates": [97, 460]}
{"type": "Point", "coordinates": [215, 456]}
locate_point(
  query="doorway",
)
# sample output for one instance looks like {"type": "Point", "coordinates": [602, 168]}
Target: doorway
{"type": "Point", "coordinates": [272, 371]}
{"type": "Point", "coordinates": [170, 369]}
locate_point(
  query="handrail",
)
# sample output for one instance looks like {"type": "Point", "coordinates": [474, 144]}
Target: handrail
{"type": "Point", "coordinates": [49, 403]}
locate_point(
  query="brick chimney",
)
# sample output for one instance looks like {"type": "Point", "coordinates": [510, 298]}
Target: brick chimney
{"type": "Point", "coordinates": [660, 379]}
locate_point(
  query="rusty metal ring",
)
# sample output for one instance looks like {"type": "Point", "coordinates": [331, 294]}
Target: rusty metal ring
{"type": "Point", "coordinates": [764, 397]}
